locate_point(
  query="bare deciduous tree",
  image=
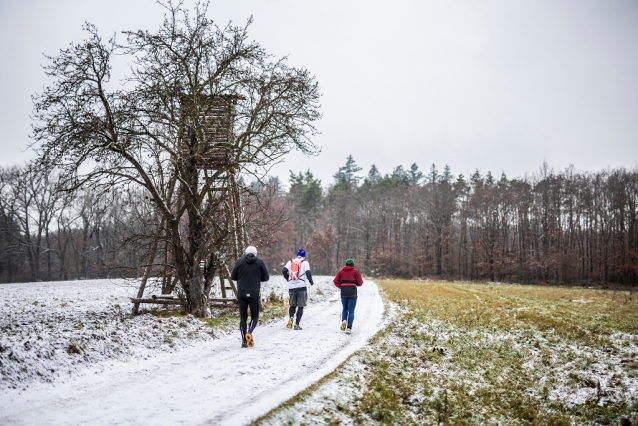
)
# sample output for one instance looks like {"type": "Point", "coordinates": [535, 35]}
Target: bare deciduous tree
{"type": "Point", "coordinates": [147, 128]}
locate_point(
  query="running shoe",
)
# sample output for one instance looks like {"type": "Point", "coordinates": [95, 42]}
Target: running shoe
{"type": "Point", "coordinates": [343, 325]}
{"type": "Point", "coordinates": [249, 340]}
{"type": "Point", "coordinates": [297, 327]}
{"type": "Point", "coordinates": [289, 325]}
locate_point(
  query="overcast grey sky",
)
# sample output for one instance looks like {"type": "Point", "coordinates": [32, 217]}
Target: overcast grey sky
{"type": "Point", "coordinates": [493, 85]}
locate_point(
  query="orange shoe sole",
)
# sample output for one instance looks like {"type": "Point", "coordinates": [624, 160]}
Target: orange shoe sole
{"type": "Point", "coordinates": [249, 340]}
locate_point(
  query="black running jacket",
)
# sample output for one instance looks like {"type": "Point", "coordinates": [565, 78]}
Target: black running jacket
{"type": "Point", "coordinates": [249, 272]}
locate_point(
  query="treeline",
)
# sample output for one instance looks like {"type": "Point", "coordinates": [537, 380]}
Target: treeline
{"type": "Point", "coordinates": [561, 227]}
{"type": "Point", "coordinates": [51, 233]}
{"type": "Point", "coordinates": [557, 227]}
{"type": "Point", "coordinates": [47, 234]}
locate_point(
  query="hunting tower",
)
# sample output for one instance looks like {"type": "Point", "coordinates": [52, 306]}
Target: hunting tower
{"type": "Point", "coordinates": [211, 121]}
{"type": "Point", "coordinates": [207, 140]}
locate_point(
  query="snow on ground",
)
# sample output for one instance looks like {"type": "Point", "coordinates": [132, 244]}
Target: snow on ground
{"type": "Point", "coordinates": [140, 376]}
{"type": "Point", "coordinates": [52, 330]}
{"type": "Point", "coordinates": [55, 329]}
{"type": "Point", "coordinates": [325, 404]}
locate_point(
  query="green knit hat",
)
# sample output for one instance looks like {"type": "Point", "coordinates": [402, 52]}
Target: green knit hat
{"type": "Point", "coordinates": [349, 262]}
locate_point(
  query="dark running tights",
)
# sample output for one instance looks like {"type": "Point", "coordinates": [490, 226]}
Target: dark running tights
{"type": "Point", "coordinates": [291, 312]}
{"type": "Point", "coordinates": [244, 303]}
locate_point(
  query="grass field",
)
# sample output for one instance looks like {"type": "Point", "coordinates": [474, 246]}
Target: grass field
{"type": "Point", "coordinates": [461, 353]}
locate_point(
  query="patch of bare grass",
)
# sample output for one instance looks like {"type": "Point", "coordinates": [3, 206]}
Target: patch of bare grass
{"type": "Point", "coordinates": [463, 353]}
{"type": "Point", "coordinates": [511, 355]}
{"type": "Point", "coordinates": [274, 307]}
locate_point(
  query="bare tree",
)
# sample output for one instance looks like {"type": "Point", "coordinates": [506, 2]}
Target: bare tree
{"type": "Point", "coordinates": [147, 129]}
{"type": "Point", "coordinates": [35, 200]}
{"type": "Point", "coordinates": [11, 255]}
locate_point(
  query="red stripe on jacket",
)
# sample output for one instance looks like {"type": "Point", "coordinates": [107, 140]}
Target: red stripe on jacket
{"type": "Point", "coordinates": [348, 273]}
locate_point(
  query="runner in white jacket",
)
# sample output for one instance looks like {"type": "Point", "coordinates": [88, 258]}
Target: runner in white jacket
{"type": "Point", "coordinates": [297, 273]}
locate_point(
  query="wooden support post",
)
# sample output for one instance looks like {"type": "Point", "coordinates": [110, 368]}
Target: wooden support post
{"type": "Point", "coordinates": [239, 229]}
{"type": "Point", "coordinates": [221, 282]}
{"type": "Point", "coordinates": [147, 269]}
{"type": "Point", "coordinates": [232, 284]}
{"type": "Point", "coordinates": [140, 291]}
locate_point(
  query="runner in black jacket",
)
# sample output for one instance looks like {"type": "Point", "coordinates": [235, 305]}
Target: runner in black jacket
{"type": "Point", "coordinates": [249, 272]}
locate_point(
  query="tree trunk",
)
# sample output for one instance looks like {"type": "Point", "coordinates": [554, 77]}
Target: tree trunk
{"type": "Point", "coordinates": [48, 254]}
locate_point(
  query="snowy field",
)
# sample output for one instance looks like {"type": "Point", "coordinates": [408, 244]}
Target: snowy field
{"type": "Point", "coordinates": [70, 353]}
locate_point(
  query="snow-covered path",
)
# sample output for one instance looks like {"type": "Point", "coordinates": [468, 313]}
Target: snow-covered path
{"type": "Point", "coordinates": [215, 382]}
